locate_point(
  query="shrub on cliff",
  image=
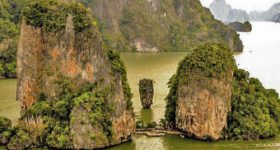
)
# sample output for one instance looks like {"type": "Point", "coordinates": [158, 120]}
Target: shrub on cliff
{"type": "Point", "coordinates": [51, 15]}
{"type": "Point", "coordinates": [5, 124]}
{"type": "Point", "coordinates": [6, 130]}
{"type": "Point", "coordinates": [21, 140]}
{"type": "Point", "coordinates": [255, 110]}
{"type": "Point", "coordinates": [8, 42]}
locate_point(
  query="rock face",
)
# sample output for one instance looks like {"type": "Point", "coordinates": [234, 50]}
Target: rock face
{"type": "Point", "coordinates": [160, 25]}
{"type": "Point", "coordinates": [146, 90]}
{"type": "Point", "coordinates": [241, 27]}
{"type": "Point", "coordinates": [222, 11]}
{"type": "Point", "coordinates": [67, 67]}
{"type": "Point", "coordinates": [200, 95]}
{"type": "Point", "coordinates": [202, 113]}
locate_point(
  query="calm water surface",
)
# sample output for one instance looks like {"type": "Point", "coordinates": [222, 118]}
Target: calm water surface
{"type": "Point", "coordinates": [261, 57]}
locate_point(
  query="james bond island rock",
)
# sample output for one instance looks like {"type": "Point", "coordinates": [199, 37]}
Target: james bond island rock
{"type": "Point", "coordinates": [200, 95]}
{"type": "Point", "coordinates": [70, 84]}
{"type": "Point", "coordinates": [160, 25]}
{"type": "Point", "coordinates": [146, 90]}
{"type": "Point", "coordinates": [241, 27]}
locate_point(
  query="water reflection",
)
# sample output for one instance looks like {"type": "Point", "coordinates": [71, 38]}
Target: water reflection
{"type": "Point", "coordinates": [147, 115]}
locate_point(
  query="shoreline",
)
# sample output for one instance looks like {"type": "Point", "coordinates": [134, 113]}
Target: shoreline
{"type": "Point", "coordinates": [154, 132]}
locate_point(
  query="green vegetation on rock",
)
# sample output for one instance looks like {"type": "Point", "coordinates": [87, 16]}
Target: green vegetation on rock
{"type": "Point", "coordinates": [255, 110]}
{"type": "Point", "coordinates": [51, 15]}
{"type": "Point", "coordinates": [5, 124]}
{"type": "Point", "coordinates": [57, 114]}
{"type": "Point", "coordinates": [6, 130]}
{"type": "Point", "coordinates": [21, 140]}
{"type": "Point", "coordinates": [168, 25]}
{"type": "Point", "coordinates": [8, 40]}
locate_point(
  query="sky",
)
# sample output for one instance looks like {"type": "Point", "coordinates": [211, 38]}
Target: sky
{"type": "Point", "coordinates": [248, 5]}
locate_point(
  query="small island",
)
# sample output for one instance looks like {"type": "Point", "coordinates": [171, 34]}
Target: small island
{"type": "Point", "coordinates": [234, 105]}
{"type": "Point", "coordinates": [241, 27]}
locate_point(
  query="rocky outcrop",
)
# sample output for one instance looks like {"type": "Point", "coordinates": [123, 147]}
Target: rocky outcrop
{"type": "Point", "coordinates": [146, 90]}
{"type": "Point", "coordinates": [67, 67]}
{"type": "Point", "coordinates": [222, 11]}
{"type": "Point", "coordinates": [153, 25]}
{"type": "Point", "coordinates": [200, 95]}
{"type": "Point", "coordinates": [241, 27]}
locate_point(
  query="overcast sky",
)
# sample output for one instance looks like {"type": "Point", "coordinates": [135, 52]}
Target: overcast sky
{"type": "Point", "coordinates": [248, 5]}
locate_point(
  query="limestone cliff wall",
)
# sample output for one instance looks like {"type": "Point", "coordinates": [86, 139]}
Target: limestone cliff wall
{"type": "Point", "coordinates": [44, 58]}
{"type": "Point", "coordinates": [201, 112]}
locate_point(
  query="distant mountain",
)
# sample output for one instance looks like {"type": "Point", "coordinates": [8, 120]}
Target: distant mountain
{"type": "Point", "coordinates": [265, 15]}
{"type": "Point", "coordinates": [222, 11]}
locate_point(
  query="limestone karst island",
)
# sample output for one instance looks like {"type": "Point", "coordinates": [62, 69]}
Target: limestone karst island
{"type": "Point", "coordinates": [139, 74]}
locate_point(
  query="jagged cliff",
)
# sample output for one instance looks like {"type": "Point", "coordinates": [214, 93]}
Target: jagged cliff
{"type": "Point", "coordinates": [69, 81]}
{"type": "Point", "coordinates": [200, 94]}
{"type": "Point", "coordinates": [166, 25]}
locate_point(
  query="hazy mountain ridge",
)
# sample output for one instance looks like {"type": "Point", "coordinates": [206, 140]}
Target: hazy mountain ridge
{"type": "Point", "coordinates": [265, 15]}
{"type": "Point", "coordinates": [224, 12]}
